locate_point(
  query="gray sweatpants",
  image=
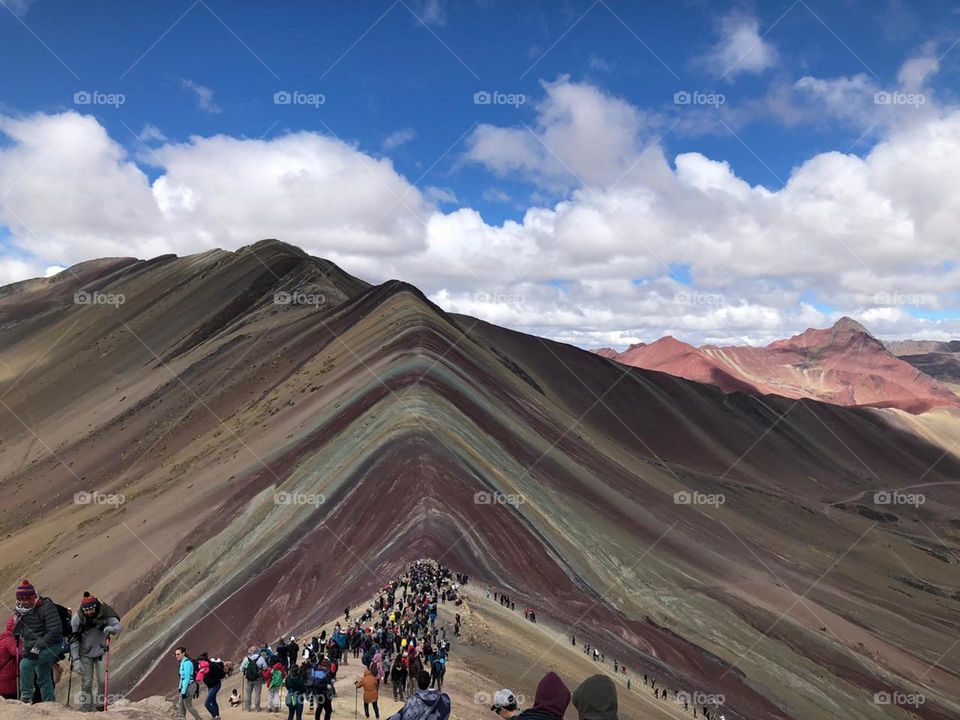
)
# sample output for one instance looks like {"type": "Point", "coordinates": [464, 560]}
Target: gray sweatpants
{"type": "Point", "coordinates": [251, 687]}
{"type": "Point", "coordinates": [90, 668]}
{"type": "Point", "coordinates": [185, 704]}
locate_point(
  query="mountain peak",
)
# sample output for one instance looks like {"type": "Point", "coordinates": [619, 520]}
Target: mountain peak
{"type": "Point", "coordinates": [847, 325]}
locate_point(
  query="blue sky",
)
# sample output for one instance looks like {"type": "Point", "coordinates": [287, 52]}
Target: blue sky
{"type": "Point", "coordinates": [398, 82]}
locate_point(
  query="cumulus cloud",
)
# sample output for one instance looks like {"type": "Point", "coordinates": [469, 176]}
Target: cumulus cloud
{"type": "Point", "coordinates": [582, 136]}
{"type": "Point", "coordinates": [740, 49]}
{"type": "Point", "coordinates": [871, 236]}
{"type": "Point", "coordinates": [75, 193]}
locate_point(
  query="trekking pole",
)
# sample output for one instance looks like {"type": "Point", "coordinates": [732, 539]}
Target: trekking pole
{"type": "Point", "coordinates": [356, 702]}
{"type": "Point", "coordinates": [70, 683]}
{"type": "Point", "coordinates": [106, 676]}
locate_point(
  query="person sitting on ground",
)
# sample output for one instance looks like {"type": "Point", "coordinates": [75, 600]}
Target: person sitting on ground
{"type": "Point", "coordinates": [596, 699]}
{"type": "Point", "coordinates": [425, 704]}
{"type": "Point", "coordinates": [505, 703]}
{"type": "Point", "coordinates": [551, 700]}
{"type": "Point", "coordinates": [234, 698]}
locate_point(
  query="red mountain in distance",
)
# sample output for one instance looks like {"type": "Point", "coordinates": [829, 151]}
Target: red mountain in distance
{"type": "Point", "coordinates": [843, 364]}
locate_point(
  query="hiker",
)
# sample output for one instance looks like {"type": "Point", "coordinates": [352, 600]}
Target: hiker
{"type": "Point", "coordinates": [282, 653]}
{"type": "Point", "coordinates": [39, 630]}
{"type": "Point", "coordinates": [551, 700]}
{"type": "Point", "coordinates": [398, 677]}
{"type": "Point", "coordinates": [295, 691]}
{"type": "Point", "coordinates": [277, 676]}
{"type": "Point", "coordinates": [438, 668]}
{"type": "Point", "coordinates": [371, 694]}
{"type": "Point", "coordinates": [8, 662]}
{"type": "Point", "coordinates": [323, 678]}
{"type": "Point", "coordinates": [91, 627]}
{"type": "Point", "coordinates": [414, 668]}
{"type": "Point", "coordinates": [596, 699]}
{"type": "Point", "coordinates": [293, 651]}
{"type": "Point", "coordinates": [188, 684]}
{"type": "Point", "coordinates": [252, 669]}
{"type": "Point", "coordinates": [234, 698]}
{"type": "Point", "coordinates": [505, 703]}
{"type": "Point", "coordinates": [211, 673]}
{"type": "Point", "coordinates": [425, 704]}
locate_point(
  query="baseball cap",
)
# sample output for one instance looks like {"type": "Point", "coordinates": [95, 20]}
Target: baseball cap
{"type": "Point", "coordinates": [504, 700]}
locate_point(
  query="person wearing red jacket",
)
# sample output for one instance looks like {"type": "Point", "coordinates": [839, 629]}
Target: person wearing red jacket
{"type": "Point", "coordinates": [8, 662]}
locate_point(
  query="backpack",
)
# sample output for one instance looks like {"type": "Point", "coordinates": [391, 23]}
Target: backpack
{"type": "Point", "coordinates": [215, 674]}
{"type": "Point", "coordinates": [252, 670]}
{"type": "Point", "coordinates": [319, 680]}
{"type": "Point", "coordinates": [276, 678]}
{"type": "Point", "coordinates": [66, 628]}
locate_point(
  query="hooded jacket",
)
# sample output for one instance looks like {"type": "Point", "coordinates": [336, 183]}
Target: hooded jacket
{"type": "Point", "coordinates": [425, 705]}
{"type": "Point", "coordinates": [90, 636]}
{"type": "Point", "coordinates": [370, 686]}
{"type": "Point", "coordinates": [8, 660]}
{"type": "Point", "coordinates": [596, 699]}
{"type": "Point", "coordinates": [550, 701]}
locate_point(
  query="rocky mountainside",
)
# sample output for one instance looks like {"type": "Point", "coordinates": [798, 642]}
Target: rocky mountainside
{"type": "Point", "coordinates": [231, 446]}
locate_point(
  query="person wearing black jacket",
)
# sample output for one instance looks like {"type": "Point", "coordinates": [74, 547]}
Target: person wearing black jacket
{"type": "Point", "coordinates": [39, 632]}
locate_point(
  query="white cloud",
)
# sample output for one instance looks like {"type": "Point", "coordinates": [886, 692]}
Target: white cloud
{"type": "Point", "coordinates": [582, 135]}
{"type": "Point", "coordinates": [76, 194]}
{"type": "Point", "coordinates": [495, 195]}
{"type": "Point", "coordinates": [398, 138]}
{"type": "Point", "coordinates": [916, 70]}
{"type": "Point", "coordinates": [740, 49]}
{"type": "Point", "coordinates": [440, 195]}
{"type": "Point", "coordinates": [867, 235]}
{"type": "Point", "coordinates": [204, 96]}
{"type": "Point", "coordinates": [150, 134]}
{"type": "Point", "coordinates": [18, 7]}
{"type": "Point", "coordinates": [431, 12]}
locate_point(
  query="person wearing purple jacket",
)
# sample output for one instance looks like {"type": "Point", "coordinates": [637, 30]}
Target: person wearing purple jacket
{"type": "Point", "coordinates": [551, 700]}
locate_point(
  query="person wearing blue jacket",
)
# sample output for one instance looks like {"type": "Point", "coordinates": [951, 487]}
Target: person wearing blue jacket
{"type": "Point", "coordinates": [187, 687]}
{"type": "Point", "coordinates": [426, 704]}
